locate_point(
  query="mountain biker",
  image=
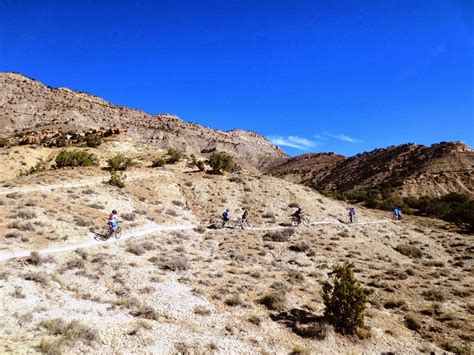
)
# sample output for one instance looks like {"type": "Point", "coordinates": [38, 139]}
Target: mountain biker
{"type": "Point", "coordinates": [397, 213]}
{"type": "Point", "coordinates": [352, 214]}
{"type": "Point", "coordinates": [297, 215]}
{"type": "Point", "coordinates": [225, 217]}
{"type": "Point", "coordinates": [113, 221]}
{"type": "Point", "coordinates": [245, 215]}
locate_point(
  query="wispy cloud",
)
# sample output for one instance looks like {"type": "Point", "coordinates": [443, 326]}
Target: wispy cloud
{"type": "Point", "coordinates": [293, 142]}
{"type": "Point", "coordinates": [340, 137]}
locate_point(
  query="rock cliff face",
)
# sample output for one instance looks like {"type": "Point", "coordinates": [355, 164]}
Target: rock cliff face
{"type": "Point", "coordinates": [409, 170]}
{"type": "Point", "coordinates": [28, 105]}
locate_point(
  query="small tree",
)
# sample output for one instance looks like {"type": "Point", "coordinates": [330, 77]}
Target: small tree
{"type": "Point", "coordinates": [117, 179]}
{"type": "Point", "coordinates": [93, 141]}
{"type": "Point", "coordinates": [221, 161]}
{"type": "Point", "coordinates": [120, 162]}
{"type": "Point", "coordinates": [74, 158]}
{"type": "Point", "coordinates": [174, 156]}
{"type": "Point", "coordinates": [344, 300]}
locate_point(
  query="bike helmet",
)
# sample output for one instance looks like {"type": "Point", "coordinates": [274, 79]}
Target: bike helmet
{"type": "Point", "coordinates": [114, 211]}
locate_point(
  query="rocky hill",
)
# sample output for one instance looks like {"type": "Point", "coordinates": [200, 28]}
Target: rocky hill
{"type": "Point", "coordinates": [306, 167]}
{"type": "Point", "coordinates": [409, 170]}
{"type": "Point", "coordinates": [29, 105]}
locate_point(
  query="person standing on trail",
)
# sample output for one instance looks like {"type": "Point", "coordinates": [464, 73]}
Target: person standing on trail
{"type": "Point", "coordinates": [397, 214]}
{"type": "Point", "coordinates": [352, 215]}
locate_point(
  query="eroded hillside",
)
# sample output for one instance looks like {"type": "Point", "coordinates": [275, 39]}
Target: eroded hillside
{"type": "Point", "coordinates": [29, 105]}
{"type": "Point", "coordinates": [171, 284]}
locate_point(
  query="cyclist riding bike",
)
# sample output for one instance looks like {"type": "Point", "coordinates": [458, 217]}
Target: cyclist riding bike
{"type": "Point", "coordinates": [297, 215]}
{"type": "Point", "coordinates": [113, 222]}
{"type": "Point", "coordinates": [352, 215]}
{"type": "Point", "coordinates": [397, 214]}
{"type": "Point", "coordinates": [225, 217]}
{"type": "Point", "coordinates": [245, 215]}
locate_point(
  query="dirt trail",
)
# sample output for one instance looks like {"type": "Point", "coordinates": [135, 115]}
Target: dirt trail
{"type": "Point", "coordinates": [91, 242]}
{"type": "Point", "coordinates": [80, 183]}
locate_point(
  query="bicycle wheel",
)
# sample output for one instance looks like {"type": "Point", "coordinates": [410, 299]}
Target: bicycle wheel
{"type": "Point", "coordinates": [305, 221]}
{"type": "Point", "coordinates": [247, 226]}
{"type": "Point", "coordinates": [107, 233]}
{"type": "Point", "coordinates": [231, 224]}
{"type": "Point", "coordinates": [118, 233]}
{"type": "Point", "coordinates": [294, 223]}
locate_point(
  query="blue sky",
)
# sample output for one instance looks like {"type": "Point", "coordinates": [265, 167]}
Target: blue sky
{"type": "Point", "coordinates": [343, 76]}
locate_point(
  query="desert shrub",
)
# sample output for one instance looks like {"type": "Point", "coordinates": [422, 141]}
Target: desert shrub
{"type": "Point", "coordinates": [434, 295]}
{"type": "Point", "coordinates": [221, 161]}
{"type": "Point", "coordinates": [68, 332]}
{"type": "Point", "coordinates": [174, 263]}
{"type": "Point", "coordinates": [157, 162]}
{"type": "Point", "coordinates": [12, 235]}
{"type": "Point", "coordinates": [314, 330]}
{"type": "Point", "coordinates": [4, 142]}
{"type": "Point", "coordinates": [117, 179]}
{"type": "Point", "coordinates": [409, 250]}
{"type": "Point", "coordinates": [120, 162]}
{"type": "Point", "coordinates": [274, 300]}
{"type": "Point", "coordinates": [26, 214]}
{"type": "Point", "coordinates": [300, 247]}
{"type": "Point", "coordinates": [234, 300]}
{"type": "Point", "coordinates": [282, 235]}
{"type": "Point", "coordinates": [236, 179]}
{"type": "Point", "coordinates": [199, 229]}
{"type": "Point", "coordinates": [93, 141]}
{"type": "Point", "coordinates": [268, 215]}
{"type": "Point", "coordinates": [136, 249]}
{"type": "Point", "coordinates": [130, 217]}
{"type": "Point", "coordinates": [146, 312]}
{"type": "Point", "coordinates": [294, 205]}
{"type": "Point", "coordinates": [254, 319]}
{"type": "Point", "coordinates": [295, 276]}
{"type": "Point", "coordinates": [202, 311]}
{"type": "Point", "coordinates": [344, 299]}
{"type": "Point", "coordinates": [174, 156]}
{"type": "Point", "coordinates": [38, 277]}
{"type": "Point", "coordinates": [392, 303]}
{"type": "Point", "coordinates": [412, 322]}
{"type": "Point", "coordinates": [34, 258]}
{"type": "Point", "coordinates": [74, 158]}
{"type": "Point", "coordinates": [75, 264]}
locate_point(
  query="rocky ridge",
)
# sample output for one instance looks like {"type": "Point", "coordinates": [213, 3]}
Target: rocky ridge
{"type": "Point", "coordinates": [29, 105]}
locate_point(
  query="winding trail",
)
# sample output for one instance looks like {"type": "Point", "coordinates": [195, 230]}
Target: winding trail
{"type": "Point", "coordinates": [148, 229]}
{"type": "Point", "coordinates": [80, 183]}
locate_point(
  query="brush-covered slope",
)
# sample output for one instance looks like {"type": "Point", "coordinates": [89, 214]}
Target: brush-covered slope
{"type": "Point", "coordinates": [27, 104]}
{"type": "Point", "coordinates": [409, 169]}
{"type": "Point", "coordinates": [173, 285]}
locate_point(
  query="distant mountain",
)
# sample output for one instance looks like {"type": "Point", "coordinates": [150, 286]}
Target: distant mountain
{"type": "Point", "coordinates": [29, 105]}
{"type": "Point", "coordinates": [408, 170]}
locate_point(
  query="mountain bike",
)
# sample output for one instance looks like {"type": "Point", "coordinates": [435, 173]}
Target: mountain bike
{"type": "Point", "coordinates": [304, 221]}
{"type": "Point", "coordinates": [218, 223]}
{"type": "Point", "coordinates": [242, 224]}
{"type": "Point", "coordinates": [109, 232]}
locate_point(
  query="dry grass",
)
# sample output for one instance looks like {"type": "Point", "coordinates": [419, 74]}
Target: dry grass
{"type": "Point", "coordinates": [409, 250]}
{"type": "Point", "coordinates": [274, 300]}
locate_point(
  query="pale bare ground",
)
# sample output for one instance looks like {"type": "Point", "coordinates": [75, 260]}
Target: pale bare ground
{"type": "Point", "coordinates": [199, 290]}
